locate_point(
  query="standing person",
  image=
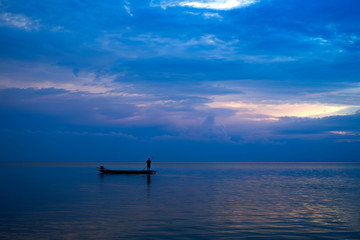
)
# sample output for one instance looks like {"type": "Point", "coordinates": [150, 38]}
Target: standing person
{"type": "Point", "coordinates": [148, 164]}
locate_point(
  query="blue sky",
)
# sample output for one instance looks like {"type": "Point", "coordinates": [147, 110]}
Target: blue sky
{"type": "Point", "coordinates": [221, 80]}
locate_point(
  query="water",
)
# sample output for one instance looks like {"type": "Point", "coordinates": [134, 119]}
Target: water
{"type": "Point", "coordinates": [182, 201]}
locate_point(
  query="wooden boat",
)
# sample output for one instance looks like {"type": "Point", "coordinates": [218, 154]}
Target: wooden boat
{"type": "Point", "coordinates": [108, 171]}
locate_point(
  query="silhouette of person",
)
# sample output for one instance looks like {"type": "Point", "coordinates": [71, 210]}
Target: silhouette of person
{"type": "Point", "coordinates": [148, 164]}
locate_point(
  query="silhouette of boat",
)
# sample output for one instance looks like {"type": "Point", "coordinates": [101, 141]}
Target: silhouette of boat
{"type": "Point", "coordinates": [108, 171]}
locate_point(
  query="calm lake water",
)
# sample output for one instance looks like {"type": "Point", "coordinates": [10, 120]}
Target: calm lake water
{"type": "Point", "coordinates": [181, 201]}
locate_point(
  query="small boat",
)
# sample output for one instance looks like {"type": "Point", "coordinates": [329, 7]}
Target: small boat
{"type": "Point", "coordinates": [108, 171]}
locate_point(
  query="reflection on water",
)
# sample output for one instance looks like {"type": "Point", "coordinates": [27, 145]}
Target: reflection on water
{"type": "Point", "coordinates": [181, 201]}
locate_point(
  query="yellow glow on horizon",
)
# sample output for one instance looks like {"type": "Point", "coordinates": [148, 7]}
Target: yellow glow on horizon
{"type": "Point", "coordinates": [340, 132]}
{"type": "Point", "coordinates": [345, 133]}
{"type": "Point", "coordinates": [311, 110]}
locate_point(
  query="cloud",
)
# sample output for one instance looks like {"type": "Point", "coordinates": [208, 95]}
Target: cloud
{"type": "Point", "coordinates": [106, 134]}
{"type": "Point", "coordinates": [44, 75]}
{"type": "Point", "coordinates": [205, 4]}
{"type": "Point", "coordinates": [205, 46]}
{"type": "Point", "coordinates": [188, 115]}
{"type": "Point", "coordinates": [345, 133]}
{"type": "Point", "coordinates": [310, 110]}
{"type": "Point", "coordinates": [207, 15]}
{"type": "Point", "coordinates": [212, 15]}
{"type": "Point", "coordinates": [257, 102]}
{"type": "Point", "coordinates": [177, 105]}
{"type": "Point", "coordinates": [19, 21]}
{"type": "Point", "coordinates": [127, 8]}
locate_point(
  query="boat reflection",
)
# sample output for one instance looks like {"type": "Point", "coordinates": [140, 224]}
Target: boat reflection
{"type": "Point", "coordinates": [148, 176]}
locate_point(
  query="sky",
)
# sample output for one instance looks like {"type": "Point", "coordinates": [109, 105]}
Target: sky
{"type": "Point", "coordinates": [179, 80]}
